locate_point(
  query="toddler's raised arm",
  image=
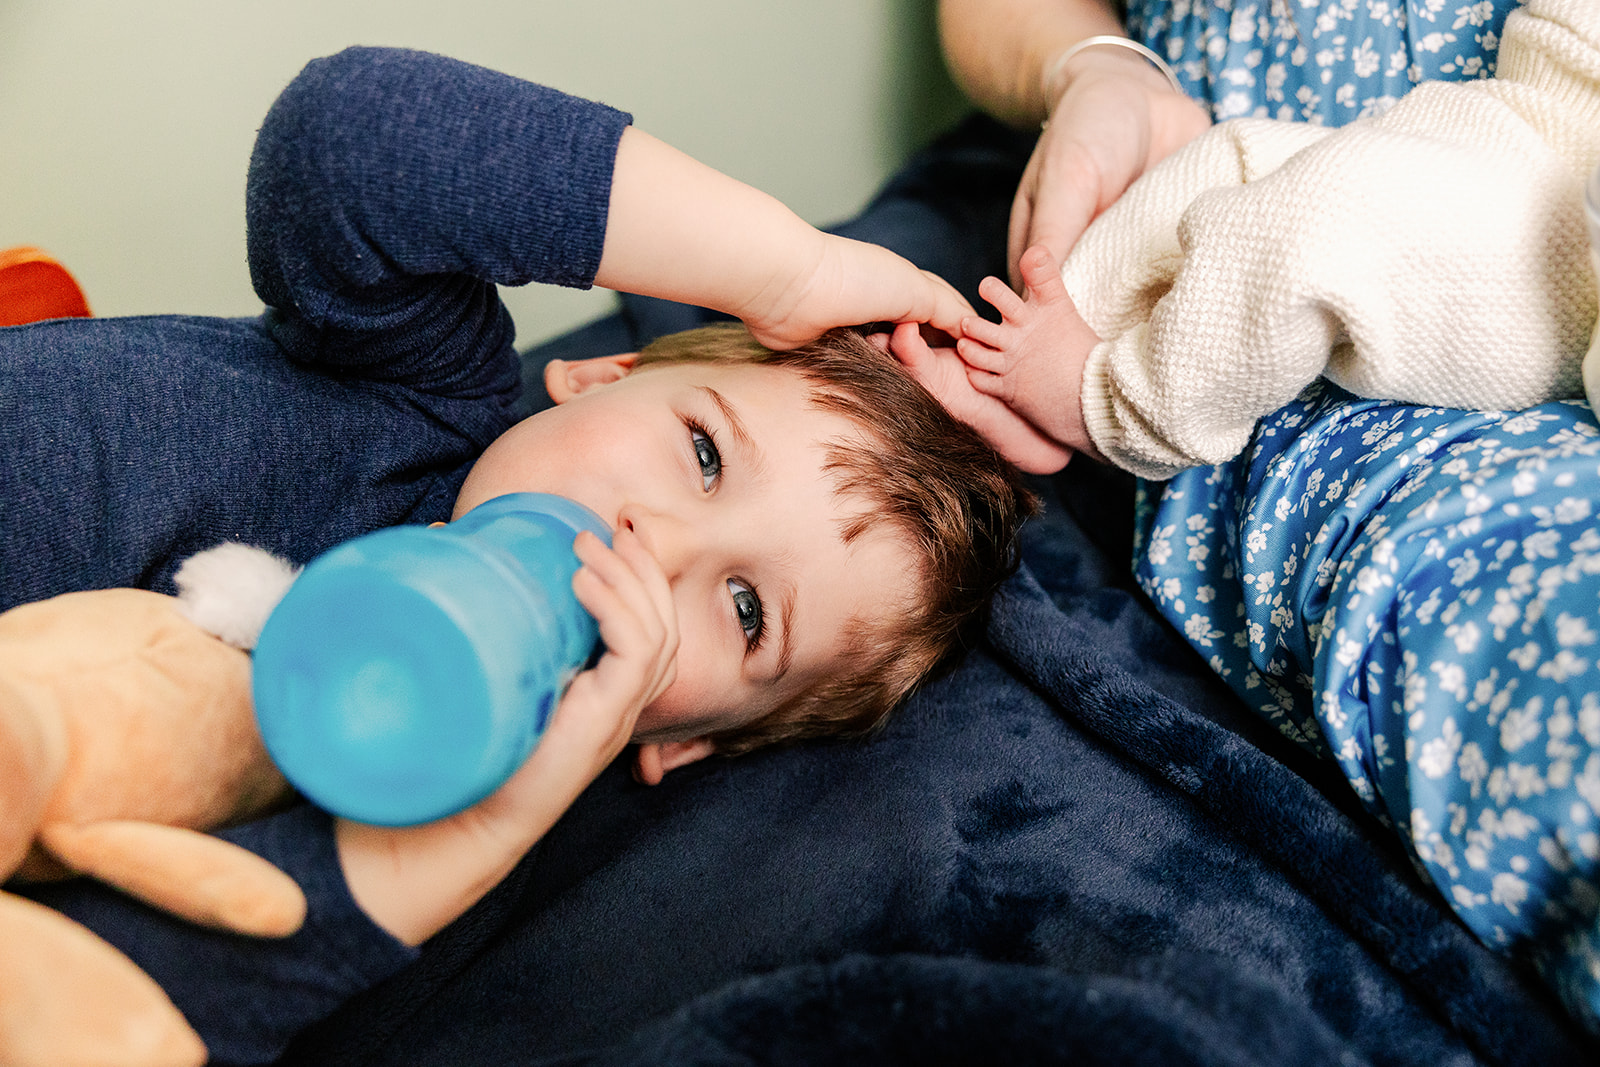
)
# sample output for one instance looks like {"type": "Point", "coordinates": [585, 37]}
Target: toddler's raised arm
{"type": "Point", "coordinates": [682, 231]}
{"type": "Point", "coordinates": [391, 190]}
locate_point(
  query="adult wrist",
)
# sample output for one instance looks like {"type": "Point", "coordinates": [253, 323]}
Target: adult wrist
{"type": "Point", "coordinates": [1057, 74]}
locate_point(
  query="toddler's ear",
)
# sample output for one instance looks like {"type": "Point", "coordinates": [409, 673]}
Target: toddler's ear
{"type": "Point", "coordinates": [653, 760]}
{"type": "Point", "coordinates": [567, 378]}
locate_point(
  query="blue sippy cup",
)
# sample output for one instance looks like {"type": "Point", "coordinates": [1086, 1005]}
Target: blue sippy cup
{"type": "Point", "coordinates": [409, 672]}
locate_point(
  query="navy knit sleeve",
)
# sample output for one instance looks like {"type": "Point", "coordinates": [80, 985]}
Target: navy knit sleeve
{"type": "Point", "coordinates": [246, 997]}
{"type": "Point", "coordinates": [391, 190]}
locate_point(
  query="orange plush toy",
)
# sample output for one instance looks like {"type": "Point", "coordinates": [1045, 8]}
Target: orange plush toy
{"type": "Point", "coordinates": [126, 728]}
{"type": "Point", "coordinates": [34, 286]}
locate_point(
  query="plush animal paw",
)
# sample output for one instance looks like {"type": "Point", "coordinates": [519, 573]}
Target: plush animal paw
{"type": "Point", "coordinates": [122, 721]}
{"type": "Point", "coordinates": [32, 756]}
{"type": "Point", "coordinates": [90, 1007]}
{"type": "Point", "coordinates": [191, 875]}
{"type": "Point", "coordinates": [125, 729]}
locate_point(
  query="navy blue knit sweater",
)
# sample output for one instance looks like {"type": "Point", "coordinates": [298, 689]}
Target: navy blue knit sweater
{"type": "Point", "coordinates": [389, 193]}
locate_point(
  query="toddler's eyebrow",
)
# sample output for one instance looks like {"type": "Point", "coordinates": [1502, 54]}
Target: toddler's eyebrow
{"type": "Point", "coordinates": [750, 452]}
{"type": "Point", "coordinates": [786, 599]}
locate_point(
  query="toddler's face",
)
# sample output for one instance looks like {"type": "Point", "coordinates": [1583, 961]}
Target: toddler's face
{"type": "Point", "coordinates": [720, 471]}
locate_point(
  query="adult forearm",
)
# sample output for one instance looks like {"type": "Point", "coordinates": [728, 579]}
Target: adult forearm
{"type": "Point", "coordinates": [997, 50]}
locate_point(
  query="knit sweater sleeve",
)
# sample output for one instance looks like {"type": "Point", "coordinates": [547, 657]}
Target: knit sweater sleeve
{"type": "Point", "coordinates": [1436, 254]}
{"type": "Point", "coordinates": [247, 997]}
{"type": "Point", "coordinates": [390, 191]}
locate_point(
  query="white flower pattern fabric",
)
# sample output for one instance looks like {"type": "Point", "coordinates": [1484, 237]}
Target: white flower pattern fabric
{"type": "Point", "coordinates": [1411, 592]}
{"type": "Point", "coordinates": [1415, 593]}
{"type": "Point", "coordinates": [1325, 62]}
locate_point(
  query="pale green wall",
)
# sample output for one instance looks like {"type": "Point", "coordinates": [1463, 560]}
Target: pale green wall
{"type": "Point", "coordinates": [125, 126]}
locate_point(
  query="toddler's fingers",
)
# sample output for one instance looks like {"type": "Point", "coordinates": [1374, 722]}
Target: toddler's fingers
{"type": "Point", "coordinates": [638, 662]}
{"type": "Point", "coordinates": [624, 589]}
{"type": "Point", "coordinates": [654, 582]}
{"type": "Point", "coordinates": [949, 306]}
{"type": "Point", "coordinates": [592, 724]}
{"type": "Point", "coordinates": [606, 563]}
{"type": "Point", "coordinates": [623, 629]}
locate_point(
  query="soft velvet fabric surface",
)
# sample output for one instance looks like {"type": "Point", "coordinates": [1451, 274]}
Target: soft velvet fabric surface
{"type": "Point", "coordinates": [1075, 844]}
{"type": "Point", "coordinates": [1077, 847]}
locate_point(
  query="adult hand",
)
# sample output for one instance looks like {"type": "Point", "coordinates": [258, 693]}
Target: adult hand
{"type": "Point", "coordinates": [1115, 118]}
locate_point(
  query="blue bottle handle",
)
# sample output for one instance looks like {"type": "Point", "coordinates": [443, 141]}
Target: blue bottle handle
{"type": "Point", "coordinates": [409, 672]}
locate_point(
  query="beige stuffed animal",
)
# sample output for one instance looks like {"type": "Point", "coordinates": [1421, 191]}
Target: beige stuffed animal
{"type": "Point", "coordinates": [125, 729]}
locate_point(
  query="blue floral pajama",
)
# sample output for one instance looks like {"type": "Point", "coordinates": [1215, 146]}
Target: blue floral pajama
{"type": "Point", "coordinates": [1415, 593]}
{"type": "Point", "coordinates": [1319, 61]}
{"type": "Point", "coordinates": [1411, 592]}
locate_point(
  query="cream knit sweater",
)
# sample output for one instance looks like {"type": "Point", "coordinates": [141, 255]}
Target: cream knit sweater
{"type": "Point", "coordinates": [1436, 254]}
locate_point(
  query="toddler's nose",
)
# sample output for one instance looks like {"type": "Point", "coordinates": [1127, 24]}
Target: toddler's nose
{"type": "Point", "coordinates": [666, 538]}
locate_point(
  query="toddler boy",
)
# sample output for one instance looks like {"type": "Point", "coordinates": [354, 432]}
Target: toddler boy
{"type": "Point", "coordinates": [799, 536]}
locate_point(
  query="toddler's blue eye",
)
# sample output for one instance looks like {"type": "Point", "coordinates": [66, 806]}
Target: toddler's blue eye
{"type": "Point", "coordinates": [706, 454]}
{"type": "Point", "coordinates": [748, 607]}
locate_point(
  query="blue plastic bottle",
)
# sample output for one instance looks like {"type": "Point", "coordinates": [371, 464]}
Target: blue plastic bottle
{"type": "Point", "coordinates": [409, 672]}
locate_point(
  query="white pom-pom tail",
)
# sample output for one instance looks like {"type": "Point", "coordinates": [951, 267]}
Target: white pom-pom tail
{"type": "Point", "coordinates": [230, 590]}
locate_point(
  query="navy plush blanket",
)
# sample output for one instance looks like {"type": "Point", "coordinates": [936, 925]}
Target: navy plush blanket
{"type": "Point", "coordinates": [1075, 847]}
